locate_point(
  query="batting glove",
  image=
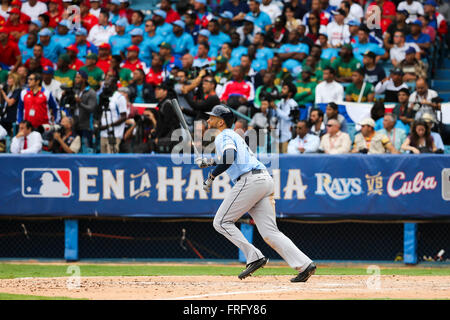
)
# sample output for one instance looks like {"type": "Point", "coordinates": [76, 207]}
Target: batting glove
{"type": "Point", "coordinates": [204, 162]}
{"type": "Point", "coordinates": [208, 183]}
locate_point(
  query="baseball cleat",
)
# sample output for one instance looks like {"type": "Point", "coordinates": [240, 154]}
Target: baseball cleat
{"type": "Point", "coordinates": [304, 275]}
{"type": "Point", "coordinates": [252, 267]}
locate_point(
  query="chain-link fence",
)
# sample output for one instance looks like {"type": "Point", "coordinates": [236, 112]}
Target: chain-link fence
{"type": "Point", "coordinates": [186, 239]}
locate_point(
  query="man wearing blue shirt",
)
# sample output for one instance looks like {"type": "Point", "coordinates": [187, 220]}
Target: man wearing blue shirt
{"type": "Point", "coordinates": [163, 29]}
{"type": "Point", "coordinates": [181, 41]}
{"type": "Point", "coordinates": [217, 38]}
{"type": "Point", "coordinates": [423, 40]}
{"type": "Point", "coordinates": [150, 37]}
{"type": "Point", "coordinates": [137, 39]}
{"type": "Point", "coordinates": [33, 27]}
{"type": "Point", "coordinates": [203, 36]}
{"type": "Point", "coordinates": [363, 45]}
{"type": "Point", "coordinates": [52, 50]}
{"type": "Point", "coordinates": [114, 11]}
{"type": "Point", "coordinates": [84, 47]}
{"type": "Point", "coordinates": [121, 40]}
{"type": "Point", "coordinates": [63, 37]}
{"type": "Point", "coordinates": [137, 21]}
{"type": "Point", "coordinates": [293, 52]}
{"type": "Point", "coordinates": [262, 19]}
{"type": "Point", "coordinates": [27, 48]}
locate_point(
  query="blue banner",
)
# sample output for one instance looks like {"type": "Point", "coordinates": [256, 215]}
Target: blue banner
{"type": "Point", "coordinates": [315, 186]}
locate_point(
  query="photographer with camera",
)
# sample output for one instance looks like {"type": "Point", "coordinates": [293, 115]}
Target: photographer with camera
{"type": "Point", "coordinates": [65, 140]}
{"type": "Point", "coordinates": [113, 114]}
{"type": "Point", "coordinates": [167, 119]}
{"type": "Point", "coordinates": [287, 113]}
{"type": "Point", "coordinates": [140, 136]}
{"type": "Point", "coordinates": [422, 102]}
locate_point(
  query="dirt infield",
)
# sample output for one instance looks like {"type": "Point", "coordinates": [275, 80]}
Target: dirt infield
{"type": "Point", "coordinates": [231, 288]}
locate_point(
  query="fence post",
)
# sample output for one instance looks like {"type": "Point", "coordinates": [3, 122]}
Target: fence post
{"type": "Point", "coordinates": [247, 231]}
{"type": "Point", "coordinates": [410, 243]}
{"type": "Point", "coordinates": [71, 240]}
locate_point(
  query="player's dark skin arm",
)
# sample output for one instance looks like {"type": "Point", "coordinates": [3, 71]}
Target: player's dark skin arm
{"type": "Point", "coordinates": [228, 158]}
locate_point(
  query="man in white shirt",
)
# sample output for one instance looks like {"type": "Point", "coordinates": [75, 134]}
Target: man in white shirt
{"type": "Point", "coordinates": [398, 51]}
{"type": "Point", "coordinates": [95, 8]}
{"type": "Point", "coordinates": [335, 141]}
{"type": "Point", "coordinates": [329, 90]}
{"type": "Point", "coordinates": [414, 8]}
{"type": "Point", "coordinates": [304, 142]}
{"type": "Point", "coordinates": [337, 31]}
{"type": "Point", "coordinates": [421, 100]}
{"type": "Point", "coordinates": [356, 11]}
{"type": "Point", "coordinates": [34, 8]}
{"type": "Point", "coordinates": [272, 10]}
{"type": "Point", "coordinates": [50, 84]}
{"type": "Point", "coordinates": [26, 140]}
{"type": "Point", "coordinates": [101, 32]}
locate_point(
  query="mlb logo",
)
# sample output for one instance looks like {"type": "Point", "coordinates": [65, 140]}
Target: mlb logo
{"type": "Point", "coordinates": [46, 183]}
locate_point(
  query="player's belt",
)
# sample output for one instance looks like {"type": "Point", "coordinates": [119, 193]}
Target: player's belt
{"type": "Point", "coordinates": [255, 171]}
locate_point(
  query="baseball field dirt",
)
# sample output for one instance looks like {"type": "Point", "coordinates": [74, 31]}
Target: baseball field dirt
{"type": "Point", "coordinates": [256, 287]}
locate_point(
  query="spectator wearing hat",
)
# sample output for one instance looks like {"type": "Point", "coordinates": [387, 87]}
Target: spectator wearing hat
{"type": "Point", "coordinates": [181, 41]}
{"type": "Point", "coordinates": [104, 57]}
{"type": "Point", "coordinates": [137, 39]}
{"type": "Point", "coordinates": [95, 7]}
{"type": "Point", "coordinates": [95, 75]}
{"type": "Point", "coordinates": [133, 62]}
{"type": "Point", "coordinates": [413, 8]}
{"type": "Point", "coordinates": [64, 74]}
{"type": "Point", "coordinates": [52, 49]}
{"type": "Point", "coordinates": [171, 15]}
{"type": "Point", "coordinates": [88, 20]}
{"type": "Point", "coordinates": [33, 28]}
{"type": "Point", "coordinates": [345, 64]}
{"type": "Point", "coordinates": [437, 20]}
{"type": "Point", "coordinates": [17, 4]}
{"type": "Point", "coordinates": [137, 22]}
{"type": "Point", "coordinates": [238, 8]}
{"type": "Point", "coordinates": [371, 141]}
{"type": "Point", "coordinates": [217, 38]}
{"type": "Point", "coordinates": [359, 90]}
{"type": "Point", "coordinates": [9, 51]}
{"type": "Point", "coordinates": [391, 85]}
{"type": "Point", "coordinates": [16, 27]}
{"type": "Point", "coordinates": [423, 40]}
{"type": "Point", "coordinates": [335, 141]}
{"type": "Point", "coordinates": [163, 29]}
{"type": "Point", "coordinates": [338, 32]}
{"type": "Point", "coordinates": [190, 18]}
{"type": "Point", "coordinates": [72, 52]}
{"type": "Point", "coordinates": [226, 24]}
{"type": "Point", "coordinates": [306, 88]}
{"type": "Point", "coordinates": [363, 45]}
{"type": "Point", "coordinates": [101, 32]}
{"type": "Point", "coordinates": [373, 71]}
{"type": "Point", "coordinates": [329, 90]}
{"type": "Point", "coordinates": [34, 8]}
{"type": "Point", "coordinates": [38, 52]}
{"type": "Point", "coordinates": [114, 11]}
{"type": "Point", "coordinates": [397, 52]}
{"type": "Point", "coordinates": [353, 28]}
{"type": "Point", "coordinates": [63, 37]}
{"type": "Point", "coordinates": [203, 37]}
{"type": "Point", "coordinates": [84, 47]}
{"type": "Point", "coordinates": [393, 129]}
{"type": "Point", "coordinates": [50, 84]}
{"type": "Point", "coordinates": [260, 19]}
{"type": "Point", "coordinates": [203, 16]}
{"type": "Point", "coordinates": [426, 28]}
{"type": "Point", "coordinates": [170, 60]}
{"type": "Point", "coordinates": [121, 40]}
{"type": "Point", "coordinates": [36, 104]}
{"type": "Point", "coordinates": [412, 67]}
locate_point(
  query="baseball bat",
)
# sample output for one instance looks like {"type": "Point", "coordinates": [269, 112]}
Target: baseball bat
{"type": "Point", "coordinates": [179, 113]}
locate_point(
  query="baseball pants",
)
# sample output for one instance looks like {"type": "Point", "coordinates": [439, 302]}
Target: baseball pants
{"type": "Point", "coordinates": [253, 193]}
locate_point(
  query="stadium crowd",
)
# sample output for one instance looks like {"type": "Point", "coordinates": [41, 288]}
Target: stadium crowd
{"type": "Point", "coordinates": [98, 76]}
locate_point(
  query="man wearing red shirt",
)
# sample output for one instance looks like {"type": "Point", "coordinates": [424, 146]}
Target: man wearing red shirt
{"type": "Point", "coordinates": [155, 76]}
{"type": "Point", "coordinates": [24, 18]}
{"type": "Point", "coordinates": [172, 15]}
{"type": "Point", "coordinates": [87, 19]}
{"type": "Point", "coordinates": [15, 26]}
{"type": "Point", "coordinates": [9, 50]}
{"type": "Point", "coordinates": [133, 61]}
{"type": "Point", "coordinates": [388, 10]}
{"type": "Point", "coordinates": [38, 55]}
{"type": "Point", "coordinates": [55, 12]}
{"type": "Point", "coordinates": [104, 57]}
{"type": "Point", "coordinates": [72, 52]}
{"type": "Point", "coordinates": [238, 87]}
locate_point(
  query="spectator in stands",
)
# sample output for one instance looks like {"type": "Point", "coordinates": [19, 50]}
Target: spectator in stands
{"type": "Point", "coordinates": [26, 48]}
{"type": "Point", "coordinates": [51, 49]}
{"type": "Point", "coordinates": [171, 15]}
{"type": "Point", "coordinates": [398, 51]}
{"type": "Point", "coordinates": [416, 36]}
{"type": "Point", "coordinates": [101, 32]}
{"type": "Point", "coordinates": [104, 57]}
{"type": "Point", "coordinates": [293, 52]}
{"type": "Point", "coordinates": [306, 88]}
{"type": "Point", "coordinates": [329, 90]}
{"type": "Point", "coordinates": [345, 64]}
{"type": "Point", "coordinates": [85, 107]}
{"type": "Point", "coordinates": [133, 62]}
{"type": "Point", "coordinates": [50, 84]}
{"type": "Point", "coordinates": [181, 41]}
{"type": "Point", "coordinates": [113, 120]}
{"type": "Point", "coordinates": [88, 20]}
{"type": "Point", "coordinates": [428, 119]}
{"type": "Point", "coordinates": [403, 110]}
{"type": "Point", "coordinates": [72, 52]}
{"type": "Point", "coordinates": [419, 139]}
{"type": "Point", "coordinates": [359, 90]}
{"type": "Point", "coordinates": [170, 61]}
{"type": "Point", "coordinates": [34, 8]}
{"type": "Point", "coordinates": [156, 74]}
{"type": "Point", "coordinates": [395, 134]}
{"type": "Point", "coordinates": [283, 111]}
{"type": "Point", "coordinates": [64, 74]}
{"type": "Point", "coordinates": [363, 45]}
{"type": "Point", "coordinates": [437, 20]}
{"type": "Point", "coordinates": [371, 141]}
{"type": "Point", "coordinates": [267, 90]}
{"type": "Point", "coordinates": [65, 140]}
{"type": "Point", "coordinates": [26, 140]}
{"type": "Point", "coordinates": [222, 74]}
{"type": "Point", "coordinates": [391, 85]}
{"type": "Point", "coordinates": [15, 25]}
{"type": "Point", "coordinates": [139, 90]}
{"type": "Point", "coordinates": [335, 141]}
{"type": "Point", "coordinates": [413, 8]}
{"type": "Point", "coordinates": [332, 112]}
{"type": "Point", "coordinates": [95, 75]}
{"type": "Point", "coordinates": [84, 47]}
{"type": "Point", "coordinates": [36, 104]}
{"type": "Point", "coordinates": [217, 38]}
{"type": "Point", "coordinates": [137, 21]}
{"type": "Point", "coordinates": [9, 51]}
{"type": "Point", "coordinates": [121, 40]}
{"type": "Point", "coordinates": [304, 142]}
{"type": "Point", "coordinates": [422, 100]}
{"type": "Point", "coordinates": [338, 32]}
{"type": "Point", "coordinates": [412, 67]}
{"type": "Point", "coordinates": [9, 100]}
{"type": "Point", "coordinates": [400, 23]}
{"type": "Point", "coordinates": [262, 19]}
{"type": "Point", "coordinates": [95, 8]}
{"type": "Point", "coordinates": [63, 37]}
{"type": "Point", "coordinates": [373, 71]}
{"type": "Point", "coordinates": [39, 57]}
{"type": "Point", "coordinates": [247, 31]}
{"type": "Point", "coordinates": [137, 39]}
{"type": "Point", "coordinates": [238, 92]}
{"type": "Point", "coordinates": [201, 59]}
{"type": "Point", "coordinates": [316, 123]}
{"type": "Point", "coordinates": [164, 30]}
{"type": "Point", "coordinates": [427, 29]}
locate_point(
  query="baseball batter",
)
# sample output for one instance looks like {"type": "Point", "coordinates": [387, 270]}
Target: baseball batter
{"type": "Point", "coordinates": [253, 193]}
